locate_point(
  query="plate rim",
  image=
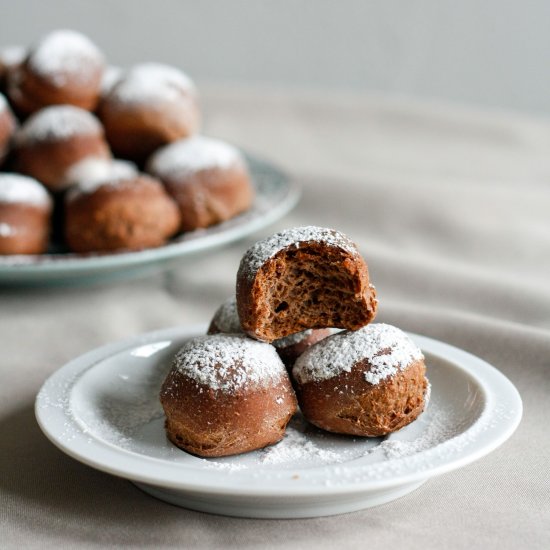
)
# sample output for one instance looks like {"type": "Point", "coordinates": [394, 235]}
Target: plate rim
{"type": "Point", "coordinates": [81, 364]}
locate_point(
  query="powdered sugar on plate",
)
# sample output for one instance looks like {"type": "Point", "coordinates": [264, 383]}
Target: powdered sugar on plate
{"type": "Point", "coordinates": [436, 431]}
{"type": "Point", "coordinates": [260, 252]}
{"type": "Point", "coordinates": [16, 188]}
{"type": "Point", "coordinates": [297, 447]}
{"type": "Point", "coordinates": [58, 123]}
{"type": "Point", "coordinates": [228, 362]}
{"type": "Point", "coordinates": [119, 421]}
{"type": "Point", "coordinates": [64, 56]}
{"type": "Point", "coordinates": [228, 467]}
{"type": "Point", "coordinates": [436, 428]}
{"type": "Point", "coordinates": [386, 348]}
{"type": "Point", "coordinates": [190, 155]}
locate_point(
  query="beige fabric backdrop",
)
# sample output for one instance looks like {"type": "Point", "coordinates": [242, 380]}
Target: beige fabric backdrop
{"type": "Point", "coordinates": [451, 209]}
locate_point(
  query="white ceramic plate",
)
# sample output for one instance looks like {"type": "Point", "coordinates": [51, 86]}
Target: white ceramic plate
{"type": "Point", "coordinates": [276, 194]}
{"type": "Point", "coordinates": [103, 410]}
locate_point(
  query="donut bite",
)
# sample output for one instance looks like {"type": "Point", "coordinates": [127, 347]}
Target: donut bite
{"type": "Point", "coordinates": [56, 138]}
{"type": "Point", "coordinates": [65, 67]}
{"type": "Point", "coordinates": [207, 177]}
{"type": "Point", "coordinates": [303, 278]}
{"type": "Point", "coordinates": [370, 382]}
{"type": "Point", "coordinates": [147, 107]}
{"type": "Point", "coordinates": [25, 211]}
{"type": "Point", "coordinates": [226, 394]}
{"type": "Point", "coordinates": [116, 208]}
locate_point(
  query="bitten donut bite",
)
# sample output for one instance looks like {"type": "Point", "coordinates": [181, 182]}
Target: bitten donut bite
{"type": "Point", "coordinates": [65, 67]}
{"type": "Point", "coordinates": [25, 210]}
{"type": "Point", "coordinates": [122, 211]}
{"type": "Point", "coordinates": [370, 382]}
{"type": "Point", "coordinates": [56, 138]}
{"type": "Point", "coordinates": [226, 394]}
{"type": "Point", "coordinates": [226, 320]}
{"type": "Point", "coordinates": [149, 106]}
{"type": "Point", "coordinates": [8, 125]}
{"type": "Point", "coordinates": [207, 177]}
{"type": "Point", "coordinates": [302, 278]}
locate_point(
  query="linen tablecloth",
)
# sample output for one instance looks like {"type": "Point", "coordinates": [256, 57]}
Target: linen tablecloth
{"type": "Point", "coordinates": [450, 207]}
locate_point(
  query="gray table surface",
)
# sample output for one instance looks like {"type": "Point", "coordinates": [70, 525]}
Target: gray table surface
{"type": "Point", "coordinates": [449, 206]}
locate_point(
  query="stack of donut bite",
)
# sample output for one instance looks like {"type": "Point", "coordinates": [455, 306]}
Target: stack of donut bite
{"type": "Point", "coordinates": [103, 158]}
{"type": "Point", "coordinates": [297, 331]}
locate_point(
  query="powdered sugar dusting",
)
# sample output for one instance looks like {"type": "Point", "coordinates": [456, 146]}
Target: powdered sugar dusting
{"type": "Point", "coordinates": [118, 422]}
{"type": "Point", "coordinates": [386, 348]}
{"type": "Point", "coordinates": [58, 123]}
{"type": "Point", "coordinates": [222, 466]}
{"type": "Point", "coordinates": [65, 55]}
{"type": "Point", "coordinates": [91, 173]}
{"type": "Point", "coordinates": [15, 188]}
{"type": "Point", "coordinates": [439, 429]}
{"type": "Point", "coordinates": [226, 317]}
{"type": "Point", "coordinates": [152, 83]}
{"type": "Point", "coordinates": [292, 339]}
{"type": "Point", "coordinates": [260, 252]}
{"type": "Point", "coordinates": [111, 76]}
{"type": "Point", "coordinates": [298, 447]}
{"type": "Point", "coordinates": [190, 155]}
{"type": "Point", "coordinates": [228, 362]}
{"type": "Point", "coordinates": [7, 230]}
{"type": "Point", "coordinates": [12, 55]}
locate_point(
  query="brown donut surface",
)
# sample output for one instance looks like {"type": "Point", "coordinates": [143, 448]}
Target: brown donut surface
{"type": "Point", "coordinates": [25, 211]}
{"type": "Point", "coordinates": [65, 67]}
{"type": "Point", "coordinates": [130, 212]}
{"type": "Point", "coordinates": [226, 394]}
{"type": "Point", "coordinates": [207, 177]}
{"type": "Point", "coordinates": [56, 138]}
{"type": "Point", "coordinates": [370, 382]}
{"type": "Point", "coordinates": [147, 107]}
